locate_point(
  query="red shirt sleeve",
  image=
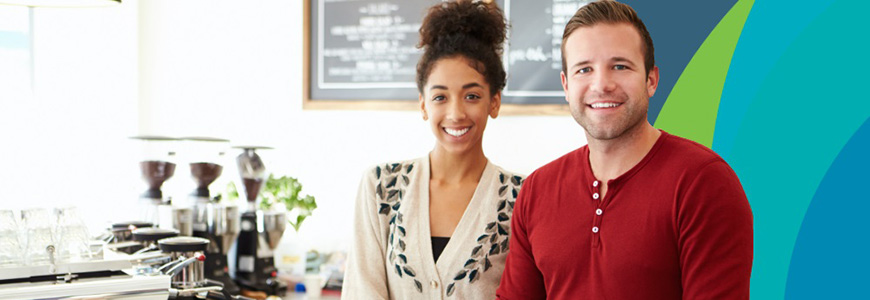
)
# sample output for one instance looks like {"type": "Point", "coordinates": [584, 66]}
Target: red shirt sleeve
{"type": "Point", "coordinates": [715, 235]}
{"type": "Point", "coordinates": [521, 278]}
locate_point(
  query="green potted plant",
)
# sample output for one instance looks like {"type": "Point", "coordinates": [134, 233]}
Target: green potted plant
{"type": "Point", "coordinates": [282, 193]}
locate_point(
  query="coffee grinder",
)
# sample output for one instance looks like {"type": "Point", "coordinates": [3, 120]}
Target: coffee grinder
{"type": "Point", "coordinates": [261, 230]}
{"type": "Point", "coordinates": [157, 164]}
{"type": "Point", "coordinates": [215, 222]}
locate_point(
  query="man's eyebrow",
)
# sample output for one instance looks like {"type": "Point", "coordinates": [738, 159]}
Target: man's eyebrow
{"type": "Point", "coordinates": [622, 59]}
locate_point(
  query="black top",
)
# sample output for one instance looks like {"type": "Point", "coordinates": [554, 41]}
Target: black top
{"type": "Point", "coordinates": [153, 234]}
{"type": "Point", "coordinates": [438, 244]}
{"type": "Point", "coordinates": [183, 244]}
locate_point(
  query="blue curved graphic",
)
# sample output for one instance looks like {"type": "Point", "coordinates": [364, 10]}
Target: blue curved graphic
{"type": "Point", "coordinates": [832, 245]}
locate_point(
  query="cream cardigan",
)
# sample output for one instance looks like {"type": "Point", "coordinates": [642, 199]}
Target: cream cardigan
{"type": "Point", "coordinates": [391, 255]}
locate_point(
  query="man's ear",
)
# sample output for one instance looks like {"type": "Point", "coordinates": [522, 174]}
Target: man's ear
{"type": "Point", "coordinates": [652, 81]}
{"type": "Point", "coordinates": [564, 84]}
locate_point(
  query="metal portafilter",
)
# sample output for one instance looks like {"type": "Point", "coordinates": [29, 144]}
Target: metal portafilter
{"type": "Point", "coordinates": [187, 256]}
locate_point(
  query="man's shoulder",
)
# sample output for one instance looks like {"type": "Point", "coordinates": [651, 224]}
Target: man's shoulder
{"type": "Point", "coordinates": [689, 151]}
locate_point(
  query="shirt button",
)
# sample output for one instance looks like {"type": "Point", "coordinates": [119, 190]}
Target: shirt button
{"type": "Point", "coordinates": [599, 211]}
{"type": "Point", "coordinates": [595, 229]}
{"type": "Point", "coordinates": [595, 196]}
{"type": "Point", "coordinates": [595, 184]}
{"type": "Point", "coordinates": [433, 284]}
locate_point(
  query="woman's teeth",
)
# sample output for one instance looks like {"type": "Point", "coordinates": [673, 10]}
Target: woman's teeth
{"type": "Point", "coordinates": [605, 104]}
{"type": "Point", "coordinates": [455, 132]}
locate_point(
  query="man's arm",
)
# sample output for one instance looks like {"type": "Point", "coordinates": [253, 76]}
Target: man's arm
{"type": "Point", "coordinates": [521, 278]}
{"type": "Point", "coordinates": [715, 236]}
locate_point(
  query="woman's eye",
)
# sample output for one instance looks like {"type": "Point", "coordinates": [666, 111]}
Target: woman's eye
{"type": "Point", "coordinates": [438, 98]}
{"type": "Point", "coordinates": [472, 97]}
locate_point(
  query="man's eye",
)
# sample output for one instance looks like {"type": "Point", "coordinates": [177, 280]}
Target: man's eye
{"type": "Point", "coordinates": [620, 67]}
{"type": "Point", "coordinates": [584, 70]}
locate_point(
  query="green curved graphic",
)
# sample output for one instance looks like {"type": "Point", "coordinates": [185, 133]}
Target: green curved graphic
{"type": "Point", "coordinates": [691, 108]}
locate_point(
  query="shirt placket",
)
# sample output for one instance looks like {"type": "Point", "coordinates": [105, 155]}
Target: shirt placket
{"type": "Point", "coordinates": [597, 213]}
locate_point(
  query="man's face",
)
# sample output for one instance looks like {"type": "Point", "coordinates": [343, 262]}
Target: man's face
{"type": "Point", "coordinates": [606, 85]}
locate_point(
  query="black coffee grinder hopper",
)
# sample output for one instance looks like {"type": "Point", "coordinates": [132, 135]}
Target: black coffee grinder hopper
{"type": "Point", "coordinates": [260, 230]}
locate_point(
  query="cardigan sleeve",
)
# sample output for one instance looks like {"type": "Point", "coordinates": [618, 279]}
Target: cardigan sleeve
{"type": "Point", "coordinates": [715, 235]}
{"type": "Point", "coordinates": [521, 278]}
{"type": "Point", "coordinates": [365, 276]}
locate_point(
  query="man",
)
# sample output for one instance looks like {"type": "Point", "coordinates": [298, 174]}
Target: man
{"type": "Point", "coordinates": [637, 213]}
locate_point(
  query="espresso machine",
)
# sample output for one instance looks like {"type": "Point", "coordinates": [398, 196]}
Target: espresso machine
{"type": "Point", "coordinates": [261, 231]}
{"type": "Point", "coordinates": [215, 222]}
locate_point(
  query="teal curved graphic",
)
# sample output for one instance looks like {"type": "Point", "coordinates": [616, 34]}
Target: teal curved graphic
{"type": "Point", "coordinates": [793, 96]}
{"type": "Point", "coordinates": [833, 238]}
{"type": "Point", "coordinates": [804, 109]}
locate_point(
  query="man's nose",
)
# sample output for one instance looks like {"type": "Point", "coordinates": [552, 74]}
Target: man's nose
{"type": "Point", "coordinates": [603, 81]}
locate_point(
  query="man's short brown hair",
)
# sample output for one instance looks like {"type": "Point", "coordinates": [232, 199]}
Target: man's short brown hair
{"type": "Point", "coordinates": [610, 12]}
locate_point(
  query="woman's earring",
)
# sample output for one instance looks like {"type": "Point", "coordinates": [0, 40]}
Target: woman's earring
{"type": "Point", "coordinates": [425, 117]}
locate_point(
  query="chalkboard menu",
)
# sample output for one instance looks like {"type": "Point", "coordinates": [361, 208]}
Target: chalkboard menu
{"type": "Point", "coordinates": [365, 50]}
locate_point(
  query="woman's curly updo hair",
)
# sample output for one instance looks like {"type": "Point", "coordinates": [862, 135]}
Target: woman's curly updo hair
{"type": "Point", "coordinates": [474, 30]}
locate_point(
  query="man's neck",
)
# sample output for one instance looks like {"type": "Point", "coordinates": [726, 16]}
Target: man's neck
{"type": "Point", "coordinates": [611, 158]}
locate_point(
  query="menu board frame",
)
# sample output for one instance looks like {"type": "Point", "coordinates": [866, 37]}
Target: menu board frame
{"type": "Point", "coordinates": [362, 103]}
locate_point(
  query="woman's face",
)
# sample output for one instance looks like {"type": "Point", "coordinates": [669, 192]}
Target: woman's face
{"type": "Point", "coordinates": [456, 101]}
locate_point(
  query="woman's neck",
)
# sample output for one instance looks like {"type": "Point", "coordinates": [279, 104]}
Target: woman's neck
{"type": "Point", "coordinates": [455, 168]}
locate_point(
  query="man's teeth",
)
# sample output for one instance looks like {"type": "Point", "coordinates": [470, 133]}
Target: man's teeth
{"type": "Point", "coordinates": [605, 105]}
{"type": "Point", "coordinates": [454, 132]}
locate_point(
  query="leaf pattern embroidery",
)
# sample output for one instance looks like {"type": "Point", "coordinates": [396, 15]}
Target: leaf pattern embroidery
{"type": "Point", "coordinates": [495, 237]}
{"type": "Point", "coordinates": [392, 179]}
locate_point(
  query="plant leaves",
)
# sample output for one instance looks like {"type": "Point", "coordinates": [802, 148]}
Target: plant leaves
{"type": "Point", "coordinates": [502, 190]}
{"type": "Point", "coordinates": [401, 245]}
{"type": "Point", "coordinates": [493, 238]}
{"type": "Point", "coordinates": [473, 276]}
{"type": "Point", "coordinates": [402, 230]}
{"type": "Point", "coordinates": [410, 167]}
{"type": "Point", "coordinates": [409, 271]}
{"type": "Point", "coordinates": [403, 258]}
{"type": "Point", "coordinates": [393, 219]}
{"type": "Point", "coordinates": [378, 172]}
{"type": "Point", "coordinates": [490, 228]}
{"type": "Point", "coordinates": [395, 167]}
{"type": "Point", "coordinates": [418, 285]}
{"type": "Point", "coordinates": [450, 289]}
{"type": "Point", "coordinates": [503, 217]}
{"type": "Point", "coordinates": [406, 179]}
{"type": "Point", "coordinates": [504, 245]}
{"type": "Point", "coordinates": [502, 204]}
{"type": "Point", "coordinates": [401, 220]}
{"type": "Point", "coordinates": [460, 275]}
{"type": "Point", "coordinates": [398, 270]}
{"type": "Point", "coordinates": [396, 206]}
{"type": "Point", "coordinates": [486, 264]}
{"type": "Point", "coordinates": [385, 209]}
{"type": "Point", "coordinates": [501, 177]}
{"type": "Point", "coordinates": [516, 180]}
{"type": "Point", "coordinates": [516, 192]}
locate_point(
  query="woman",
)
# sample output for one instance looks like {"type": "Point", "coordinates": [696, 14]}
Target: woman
{"type": "Point", "coordinates": [437, 226]}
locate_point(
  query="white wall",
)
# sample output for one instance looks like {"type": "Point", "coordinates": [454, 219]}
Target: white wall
{"type": "Point", "coordinates": [65, 145]}
{"type": "Point", "coordinates": [229, 69]}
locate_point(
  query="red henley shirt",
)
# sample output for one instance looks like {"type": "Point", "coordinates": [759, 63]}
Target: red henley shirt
{"type": "Point", "coordinates": [676, 226]}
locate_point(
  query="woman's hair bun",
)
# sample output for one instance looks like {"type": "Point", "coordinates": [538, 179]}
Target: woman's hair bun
{"type": "Point", "coordinates": [475, 19]}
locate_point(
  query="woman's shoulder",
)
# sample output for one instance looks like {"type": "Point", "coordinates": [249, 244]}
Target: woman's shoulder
{"type": "Point", "coordinates": [406, 166]}
{"type": "Point", "coordinates": [506, 176]}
